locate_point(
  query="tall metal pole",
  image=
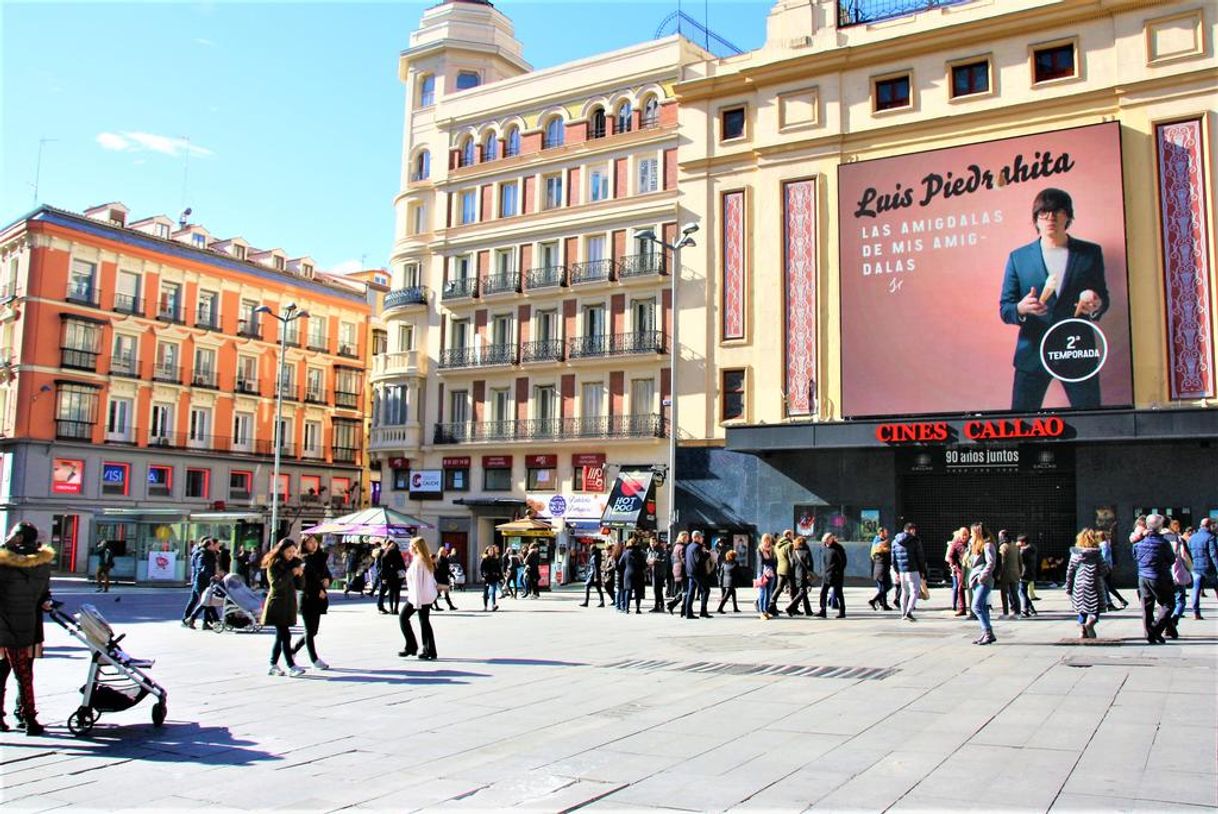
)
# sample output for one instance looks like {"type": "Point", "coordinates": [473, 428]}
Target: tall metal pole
{"type": "Point", "coordinates": [673, 356]}
{"type": "Point", "coordinates": [278, 441]}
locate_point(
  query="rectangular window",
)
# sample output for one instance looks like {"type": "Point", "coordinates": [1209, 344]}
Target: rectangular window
{"type": "Point", "coordinates": [243, 432]}
{"type": "Point", "coordinates": [416, 219]}
{"type": "Point", "coordinates": [457, 479]}
{"type": "Point", "coordinates": [198, 483]}
{"type": "Point", "coordinates": [501, 405]}
{"type": "Point", "coordinates": [642, 396]}
{"type": "Point", "coordinates": [200, 427]}
{"type": "Point", "coordinates": [315, 390]}
{"type": "Point", "coordinates": [160, 425]}
{"type": "Point", "coordinates": [205, 367]}
{"type": "Point", "coordinates": [541, 480]}
{"type": "Point", "coordinates": [509, 200]}
{"type": "Point", "coordinates": [427, 90]}
{"type": "Point", "coordinates": [598, 184]}
{"type": "Point", "coordinates": [171, 302]}
{"type": "Point", "coordinates": [731, 124]}
{"type": "Point", "coordinates": [116, 478]}
{"type": "Point", "coordinates": [553, 191]}
{"type": "Point", "coordinates": [497, 480]}
{"type": "Point", "coordinates": [393, 405]}
{"type": "Point", "coordinates": [208, 315]}
{"type": "Point", "coordinates": [123, 361]}
{"type": "Point", "coordinates": [310, 488]}
{"type": "Point", "coordinates": [731, 395]}
{"type": "Point", "coordinates": [284, 486]}
{"type": "Point", "coordinates": [592, 400]}
{"type": "Point", "coordinates": [1053, 62]}
{"type": "Point", "coordinates": [458, 406]}
{"type": "Point", "coordinates": [594, 248]}
{"type": "Point", "coordinates": [469, 206]}
{"type": "Point", "coordinates": [317, 333]}
{"type": "Point", "coordinates": [239, 483]}
{"type": "Point", "coordinates": [970, 78]}
{"type": "Point", "coordinates": [347, 343]}
{"type": "Point", "coordinates": [127, 292]}
{"type": "Point", "coordinates": [649, 175]}
{"type": "Point", "coordinates": [892, 93]}
{"type": "Point", "coordinates": [545, 403]}
{"type": "Point", "coordinates": [340, 490]}
{"type": "Point", "coordinates": [118, 420]}
{"type": "Point", "coordinates": [76, 411]}
{"type": "Point", "coordinates": [401, 480]}
{"type": "Point", "coordinates": [160, 481]}
{"type": "Point", "coordinates": [406, 338]}
{"type": "Point", "coordinates": [167, 369]}
{"type": "Point", "coordinates": [82, 281]}
{"type": "Point", "coordinates": [312, 438]}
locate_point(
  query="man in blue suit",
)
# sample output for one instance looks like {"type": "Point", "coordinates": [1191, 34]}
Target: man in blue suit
{"type": "Point", "coordinates": [1053, 278]}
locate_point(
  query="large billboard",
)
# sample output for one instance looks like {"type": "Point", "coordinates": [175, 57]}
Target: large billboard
{"type": "Point", "coordinates": [987, 277]}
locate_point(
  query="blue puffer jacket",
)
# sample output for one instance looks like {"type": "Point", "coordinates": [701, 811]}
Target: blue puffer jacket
{"type": "Point", "coordinates": [907, 554]}
{"type": "Point", "coordinates": [1154, 557]}
{"type": "Point", "coordinates": [1203, 547]}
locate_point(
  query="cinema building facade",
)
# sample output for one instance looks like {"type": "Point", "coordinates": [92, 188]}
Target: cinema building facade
{"type": "Point", "coordinates": [925, 359]}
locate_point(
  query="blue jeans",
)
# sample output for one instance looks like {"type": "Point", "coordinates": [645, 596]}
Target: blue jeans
{"type": "Point", "coordinates": [1023, 596]}
{"type": "Point", "coordinates": [763, 598]}
{"type": "Point", "coordinates": [981, 605]}
{"type": "Point", "coordinates": [1198, 584]}
{"type": "Point", "coordinates": [1181, 600]}
{"type": "Point", "coordinates": [490, 593]}
{"type": "Point", "coordinates": [957, 594]}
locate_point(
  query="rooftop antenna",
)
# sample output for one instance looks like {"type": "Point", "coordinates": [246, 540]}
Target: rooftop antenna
{"type": "Point", "coordinates": [183, 219]}
{"type": "Point", "coordinates": [723, 47]}
{"type": "Point", "coordinates": [38, 166]}
{"type": "Point", "coordinates": [185, 172]}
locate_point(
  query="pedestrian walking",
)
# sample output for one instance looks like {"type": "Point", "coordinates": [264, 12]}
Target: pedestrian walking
{"type": "Point", "coordinates": [314, 597]}
{"type": "Point", "coordinates": [532, 572]}
{"type": "Point", "coordinates": [442, 572]}
{"type": "Point", "coordinates": [699, 569]}
{"type": "Point", "coordinates": [491, 569]}
{"type": "Point", "coordinates": [677, 593]}
{"type": "Point", "coordinates": [375, 573]}
{"type": "Point", "coordinates": [1155, 559]}
{"type": "Point", "coordinates": [204, 565]}
{"type": "Point", "coordinates": [350, 569]}
{"type": "Point", "coordinates": [609, 571]}
{"type": "Point", "coordinates": [834, 570]}
{"type": "Point", "coordinates": [1009, 574]}
{"type": "Point", "coordinates": [881, 571]}
{"type": "Point", "coordinates": [909, 560]}
{"type": "Point", "coordinates": [284, 571]}
{"type": "Point", "coordinates": [619, 574]}
{"type": "Point", "coordinates": [1181, 571]}
{"type": "Point", "coordinates": [25, 592]}
{"type": "Point", "coordinates": [422, 592]}
{"type": "Point", "coordinates": [727, 582]}
{"type": "Point", "coordinates": [957, 554]}
{"type": "Point", "coordinates": [393, 571]}
{"type": "Point", "coordinates": [596, 558]}
{"type": "Point", "coordinates": [1029, 565]}
{"type": "Point", "coordinates": [634, 574]}
{"type": "Point", "coordinates": [802, 574]}
{"type": "Point", "coordinates": [767, 574]}
{"type": "Point", "coordinates": [658, 570]}
{"type": "Point", "coordinates": [105, 561]}
{"type": "Point", "coordinates": [1203, 548]}
{"type": "Point", "coordinates": [981, 576]}
{"type": "Point", "coordinates": [511, 572]}
{"type": "Point", "coordinates": [1108, 553]}
{"type": "Point", "coordinates": [782, 549]}
{"type": "Point", "coordinates": [1085, 574]}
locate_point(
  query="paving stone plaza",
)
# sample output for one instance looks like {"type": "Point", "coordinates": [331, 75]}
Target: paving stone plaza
{"type": "Point", "coordinates": [548, 706]}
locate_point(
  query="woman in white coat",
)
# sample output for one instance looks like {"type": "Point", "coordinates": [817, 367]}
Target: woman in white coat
{"type": "Point", "coordinates": [421, 592]}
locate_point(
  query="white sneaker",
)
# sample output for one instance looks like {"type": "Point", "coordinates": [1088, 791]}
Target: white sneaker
{"type": "Point", "coordinates": [320, 665]}
{"type": "Point", "coordinates": [274, 671]}
{"type": "Point", "coordinates": [297, 670]}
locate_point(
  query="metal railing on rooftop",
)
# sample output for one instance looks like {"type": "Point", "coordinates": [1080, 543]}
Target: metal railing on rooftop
{"type": "Point", "coordinates": [859, 12]}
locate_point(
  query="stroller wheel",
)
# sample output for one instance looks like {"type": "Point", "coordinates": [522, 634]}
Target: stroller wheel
{"type": "Point", "coordinates": [159, 710]}
{"type": "Point", "coordinates": [219, 627]}
{"type": "Point", "coordinates": [81, 721]}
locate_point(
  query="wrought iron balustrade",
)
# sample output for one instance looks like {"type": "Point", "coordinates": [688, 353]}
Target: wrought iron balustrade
{"type": "Point", "coordinates": [501, 284]}
{"type": "Point", "coordinates": [546, 277]}
{"type": "Point", "coordinates": [410, 295]}
{"type": "Point", "coordinates": [542, 350]}
{"type": "Point", "coordinates": [640, 265]}
{"type": "Point", "coordinates": [460, 289]}
{"type": "Point", "coordinates": [583, 347]}
{"type": "Point", "coordinates": [591, 271]}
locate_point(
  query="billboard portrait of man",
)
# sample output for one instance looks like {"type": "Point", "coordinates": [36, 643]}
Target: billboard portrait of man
{"type": "Point", "coordinates": [1053, 278]}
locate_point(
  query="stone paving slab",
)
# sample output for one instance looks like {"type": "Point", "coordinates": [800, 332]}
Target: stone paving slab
{"type": "Point", "coordinates": [546, 706]}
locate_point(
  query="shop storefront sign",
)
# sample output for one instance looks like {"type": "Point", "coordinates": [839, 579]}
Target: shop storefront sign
{"type": "Point", "coordinates": [572, 506]}
{"type": "Point", "coordinates": [1004, 429]}
{"type": "Point", "coordinates": [540, 461]}
{"type": "Point", "coordinates": [161, 564]}
{"type": "Point", "coordinates": [427, 481]}
{"type": "Point", "coordinates": [496, 461]}
{"type": "Point", "coordinates": [632, 503]}
{"type": "Point", "coordinates": [457, 462]}
{"type": "Point", "coordinates": [399, 463]}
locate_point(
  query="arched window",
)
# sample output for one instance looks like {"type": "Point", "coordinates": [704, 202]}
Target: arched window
{"type": "Point", "coordinates": [554, 132]}
{"type": "Point", "coordinates": [490, 147]}
{"type": "Point", "coordinates": [422, 166]}
{"type": "Point", "coordinates": [596, 123]}
{"type": "Point", "coordinates": [623, 118]}
{"type": "Point", "coordinates": [511, 144]}
{"type": "Point", "coordinates": [651, 112]}
{"type": "Point", "coordinates": [467, 152]}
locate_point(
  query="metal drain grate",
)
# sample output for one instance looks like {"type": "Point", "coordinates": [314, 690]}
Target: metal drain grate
{"type": "Point", "coordinates": [729, 668]}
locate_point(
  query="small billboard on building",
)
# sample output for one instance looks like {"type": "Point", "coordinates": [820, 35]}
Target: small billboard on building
{"type": "Point", "coordinates": [632, 502]}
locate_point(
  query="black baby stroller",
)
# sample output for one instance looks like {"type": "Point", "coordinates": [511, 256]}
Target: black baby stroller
{"type": "Point", "coordinates": [240, 606]}
{"type": "Point", "coordinates": [116, 680]}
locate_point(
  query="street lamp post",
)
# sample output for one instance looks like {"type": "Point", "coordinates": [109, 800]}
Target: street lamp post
{"type": "Point", "coordinates": [290, 314]}
{"type": "Point", "coordinates": [686, 240]}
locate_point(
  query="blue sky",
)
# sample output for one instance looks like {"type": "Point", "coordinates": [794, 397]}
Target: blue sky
{"type": "Point", "coordinates": [281, 121]}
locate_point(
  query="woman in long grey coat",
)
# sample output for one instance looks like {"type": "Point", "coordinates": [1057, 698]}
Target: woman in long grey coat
{"type": "Point", "coordinates": [283, 570]}
{"type": "Point", "coordinates": [1085, 582]}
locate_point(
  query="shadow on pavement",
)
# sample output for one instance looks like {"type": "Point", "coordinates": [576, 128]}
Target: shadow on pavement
{"type": "Point", "coordinates": [176, 742]}
{"type": "Point", "coordinates": [522, 662]}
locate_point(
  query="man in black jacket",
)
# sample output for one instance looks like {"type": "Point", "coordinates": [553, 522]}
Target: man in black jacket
{"type": "Point", "coordinates": [658, 567]}
{"type": "Point", "coordinates": [802, 574]}
{"type": "Point", "coordinates": [697, 579]}
{"type": "Point", "coordinates": [835, 576]}
{"type": "Point", "coordinates": [595, 561]}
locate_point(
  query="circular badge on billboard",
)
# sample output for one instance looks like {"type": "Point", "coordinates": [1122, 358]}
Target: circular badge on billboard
{"type": "Point", "coordinates": [558, 506]}
{"type": "Point", "coordinates": [1073, 350]}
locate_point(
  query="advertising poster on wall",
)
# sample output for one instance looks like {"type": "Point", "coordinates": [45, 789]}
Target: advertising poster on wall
{"type": "Point", "coordinates": [67, 474]}
{"type": "Point", "coordinates": [986, 277]}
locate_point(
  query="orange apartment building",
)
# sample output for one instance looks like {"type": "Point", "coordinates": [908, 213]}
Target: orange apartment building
{"type": "Point", "coordinates": [137, 402]}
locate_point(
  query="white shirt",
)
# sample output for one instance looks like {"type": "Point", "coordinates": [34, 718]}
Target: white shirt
{"type": "Point", "coordinates": [1056, 259]}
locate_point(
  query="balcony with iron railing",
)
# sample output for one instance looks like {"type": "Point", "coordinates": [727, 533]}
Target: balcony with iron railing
{"type": "Point", "coordinates": [460, 289]}
{"type": "Point", "coordinates": [585, 347]}
{"type": "Point", "coordinates": [545, 277]}
{"type": "Point", "coordinates": [207, 318]}
{"type": "Point", "coordinates": [542, 350]}
{"type": "Point", "coordinates": [170, 312]}
{"type": "Point", "coordinates": [127, 304]}
{"type": "Point", "coordinates": [648, 425]}
{"type": "Point", "coordinates": [640, 265]}
{"type": "Point", "coordinates": [649, 122]}
{"type": "Point", "coordinates": [124, 366]}
{"type": "Point", "coordinates": [591, 271]}
{"type": "Point", "coordinates": [399, 363]}
{"type": "Point", "coordinates": [71, 430]}
{"type": "Point", "coordinates": [289, 391]}
{"type": "Point", "coordinates": [205, 377]}
{"type": "Point", "coordinates": [162, 372]}
{"type": "Point", "coordinates": [249, 328]}
{"type": "Point", "coordinates": [859, 12]}
{"type": "Point", "coordinates": [405, 297]}
{"type": "Point", "coordinates": [487, 356]}
{"type": "Point", "coordinates": [82, 295]}
{"type": "Point", "coordinates": [317, 342]}
{"type": "Point", "coordinates": [248, 385]}
{"type": "Point", "coordinates": [346, 455]}
{"type": "Point", "coordinates": [78, 358]}
{"type": "Point", "coordinates": [348, 350]}
{"type": "Point", "coordinates": [348, 401]}
{"type": "Point", "coordinates": [507, 283]}
{"type": "Point", "coordinates": [315, 395]}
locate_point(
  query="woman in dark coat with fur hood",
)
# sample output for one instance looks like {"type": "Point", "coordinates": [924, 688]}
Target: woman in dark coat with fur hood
{"type": "Point", "coordinates": [25, 592]}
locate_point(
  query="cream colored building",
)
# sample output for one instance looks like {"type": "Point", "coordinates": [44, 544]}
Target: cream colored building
{"type": "Point", "coordinates": [796, 396]}
{"type": "Point", "coordinates": [528, 323]}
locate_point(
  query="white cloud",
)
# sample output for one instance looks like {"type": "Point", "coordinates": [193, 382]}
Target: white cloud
{"type": "Point", "coordinates": [206, 43]}
{"type": "Point", "coordinates": [346, 267]}
{"type": "Point", "coordinates": [137, 141]}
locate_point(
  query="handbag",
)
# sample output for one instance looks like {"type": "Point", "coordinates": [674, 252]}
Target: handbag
{"type": "Point", "coordinates": [924, 592]}
{"type": "Point", "coordinates": [1180, 574]}
{"type": "Point", "coordinates": [759, 582]}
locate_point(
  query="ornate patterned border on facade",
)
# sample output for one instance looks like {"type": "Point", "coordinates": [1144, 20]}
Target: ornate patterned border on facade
{"type": "Point", "coordinates": [799, 283]}
{"type": "Point", "coordinates": [1186, 259]}
{"type": "Point", "coordinates": [733, 265]}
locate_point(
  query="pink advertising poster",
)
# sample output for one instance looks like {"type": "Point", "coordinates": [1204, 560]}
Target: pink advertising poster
{"type": "Point", "coordinates": [989, 277]}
